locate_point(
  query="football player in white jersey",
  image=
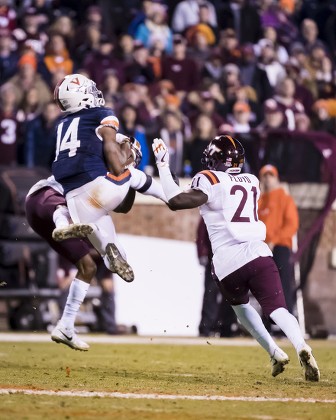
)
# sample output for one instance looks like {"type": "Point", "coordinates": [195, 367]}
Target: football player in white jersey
{"type": "Point", "coordinates": [242, 261]}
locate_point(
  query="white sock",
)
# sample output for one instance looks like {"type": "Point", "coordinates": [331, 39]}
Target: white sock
{"type": "Point", "coordinates": [77, 292]}
{"type": "Point", "coordinates": [251, 320]}
{"type": "Point", "coordinates": [290, 326]}
{"type": "Point", "coordinates": [61, 217]}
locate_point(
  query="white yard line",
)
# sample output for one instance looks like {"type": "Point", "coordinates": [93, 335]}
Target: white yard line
{"type": "Point", "coordinates": [8, 391]}
{"type": "Point", "coordinates": [131, 339]}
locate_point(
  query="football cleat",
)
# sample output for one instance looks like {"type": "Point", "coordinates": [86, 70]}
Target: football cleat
{"type": "Point", "coordinates": [68, 337]}
{"type": "Point", "coordinates": [308, 362]}
{"type": "Point", "coordinates": [118, 264]}
{"type": "Point", "coordinates": [75, 230]}
{"type": "Point", "coordinates": [278, 361]}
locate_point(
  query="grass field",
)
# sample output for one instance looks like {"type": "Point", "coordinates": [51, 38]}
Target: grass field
{"type": "Point", "coordinates": [166, 381]}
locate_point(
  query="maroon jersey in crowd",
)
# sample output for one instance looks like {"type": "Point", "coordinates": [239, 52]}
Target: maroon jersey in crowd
{"type": "Point", "coordinates": [9, 133]}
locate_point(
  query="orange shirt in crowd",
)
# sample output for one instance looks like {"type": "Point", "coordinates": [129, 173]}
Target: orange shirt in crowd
{"type": "Point", "coordinates": [278, 211]}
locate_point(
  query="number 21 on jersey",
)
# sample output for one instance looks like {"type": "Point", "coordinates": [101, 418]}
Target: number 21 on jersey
{"type": "Point", "coordinates": [69, 139]}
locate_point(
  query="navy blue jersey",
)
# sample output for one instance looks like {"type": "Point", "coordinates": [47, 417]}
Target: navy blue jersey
{"type": "Point", "coordinates": [79, 148]}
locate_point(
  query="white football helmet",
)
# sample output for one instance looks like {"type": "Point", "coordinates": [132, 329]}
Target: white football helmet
{"type": "Point", "coordinates": [76, 92]}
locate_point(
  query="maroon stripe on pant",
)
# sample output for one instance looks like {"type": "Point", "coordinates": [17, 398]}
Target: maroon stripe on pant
{"type": "Point", "coordinates": [40, 208]}
{"type": "Point", "coordinates": [261, 278]}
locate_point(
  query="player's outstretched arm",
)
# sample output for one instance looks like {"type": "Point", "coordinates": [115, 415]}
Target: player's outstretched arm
{"type": "Point", "coordinates": [177, 199]}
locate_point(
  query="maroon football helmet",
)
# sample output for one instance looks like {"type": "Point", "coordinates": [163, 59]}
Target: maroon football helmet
{"type": "Point", "coordinates": [224, 153]}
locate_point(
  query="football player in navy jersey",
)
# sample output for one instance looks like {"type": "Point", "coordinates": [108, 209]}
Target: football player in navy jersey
{"type": "Point", "coordinates": [96, 167]}
{"type": "Point", "coordinates": [241, 259]}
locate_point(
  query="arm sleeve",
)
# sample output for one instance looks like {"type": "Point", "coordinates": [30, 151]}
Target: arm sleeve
{"type": "Point", "coordinates": [146, 185]}
{"type": "Point", "coordinates": [168, 184]}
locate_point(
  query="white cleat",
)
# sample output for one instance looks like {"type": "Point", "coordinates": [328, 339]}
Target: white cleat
{"type": "Point", "coordinates": [75, 230]}
{"type": "Point", "coordinates": [308, 362]}
{"type": "Point", "coordinates": [278, 361]}
{"type": "Point", "coordinates": [118, 264]}
{"type": "Point", "coordinates": [68, 337]}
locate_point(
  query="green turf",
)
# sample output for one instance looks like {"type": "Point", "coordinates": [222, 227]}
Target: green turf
{"type": "Point", "coordinates": [162, 369]}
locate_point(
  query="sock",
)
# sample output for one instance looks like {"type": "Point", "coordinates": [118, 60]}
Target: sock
{"type": "Point", "coordinates": [290, 326]}
{"type": "Point", "coordinates": [251, 320]}
{"type": "Point", "coordinates": [61, 217]}
{"type": "Point", "coordinates": [76, 296]}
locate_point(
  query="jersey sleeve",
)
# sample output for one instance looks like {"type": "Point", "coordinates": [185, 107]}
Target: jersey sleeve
{"type": "Point", "coordinates": [204, 181]}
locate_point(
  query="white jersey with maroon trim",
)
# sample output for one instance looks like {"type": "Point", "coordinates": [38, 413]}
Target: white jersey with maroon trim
{"type": "Point", "coordinates": [231, 216]}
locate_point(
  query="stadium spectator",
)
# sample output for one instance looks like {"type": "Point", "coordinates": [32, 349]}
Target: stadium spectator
{"type": "Point", "coordinates": [124, 49]}
{"type": "Point", "coordinates": [111, 87]}
{"type": "Point", "coordinates": [39, 142]}
{"type": "Point", "coordinates": [154, 31]}
{"type": "Point", "coordinates": [65, 26]}
{"type": "Point", "coordinates": [146, 12]}
{"type": "Point", "coordinates": [175, 134]}
{"type": "Point", "coordinates": [240, 118]}
{"type": "Point", "coordinates": [252, 75]}
{"type": "Point", "coordinates": [272, 14]}
{"type": "Point", "coordinates": [241, 259]}
{"type": "Point", "coordinates": [213, 69]}
{"type": "Point", "coordinates": [229, 46]}
{"type": "Point", "coordinates": [324, 119]}
{"type": "Point", "coordinates": [303, 93]}
{"type": "Point", "coordinates": [98, 62]}
{"type": "Point", "coordinates": [204, 26]}
{"type": "Point", "coordinates": [200, 40]}
{"type": "Point", "coordinates": [29, 34]}
{"type": "Point", "coordinates": [309, 35]}
{"type": "Point", "coordinates": [268, 61]}
{"type": "Point", "coordinates": [180, 69]}
{"type": "Point", "coordinates": [57, 55]}
{"type": "Point", "coordinates": [90, 44]}
{"type": "Point", "coordinates": [140, 66]}
{"type": "Point", "coordinates": [8, 16]}
{"type": "Point", "coordinates": [203, 131]}
{"type": "Point", "coordinates": [287, 102]}
{"type": "Point", "coordinates": [239, 15]}
{"type": "Point", "coordinates": [187, 13]}
{"type": "Point", "coordinates": [27, 77]}
{"type": "Point", "coordinates": [280, 51]}
{"type": "Point", "coordinates": [274, 117]}
{"type": "Point", "coordinates": [30, 106]}
{"type": "Point", "coordinates": [10, 127]}
{"type": "Point", "coordinates": [277, 209]}
{"type": "Point", "coordinates": [8, 57]}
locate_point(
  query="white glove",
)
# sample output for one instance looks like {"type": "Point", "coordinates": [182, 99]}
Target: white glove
{"type": "Point", "coordinates": [161, 153]}
{"type": "Point", "coordinates": [121, 138]}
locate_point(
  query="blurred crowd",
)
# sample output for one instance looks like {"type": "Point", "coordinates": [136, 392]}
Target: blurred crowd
{"type": "Point", "coordinates": [180, 70]}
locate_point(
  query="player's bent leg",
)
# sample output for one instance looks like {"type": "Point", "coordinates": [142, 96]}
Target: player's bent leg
{"type": "Point", "coordinates": [251, 320]}
{"type": "Point", "coordinates": [68, 336]}
{"type": "Point", "coordinates": [117, 264]}
{"type": "Point", "coordinates": [75, 230]}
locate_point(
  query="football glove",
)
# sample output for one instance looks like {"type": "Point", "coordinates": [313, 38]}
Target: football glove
{"type": "Point", "coordinates": [161, 153]}
{"type": "Point", "coordinates": [136, 151]}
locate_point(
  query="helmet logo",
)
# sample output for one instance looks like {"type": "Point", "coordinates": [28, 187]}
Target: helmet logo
{"type": "Point", "coordinates": [75, 81]}
{"type": "Point", "coordinates": [213, 149]}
